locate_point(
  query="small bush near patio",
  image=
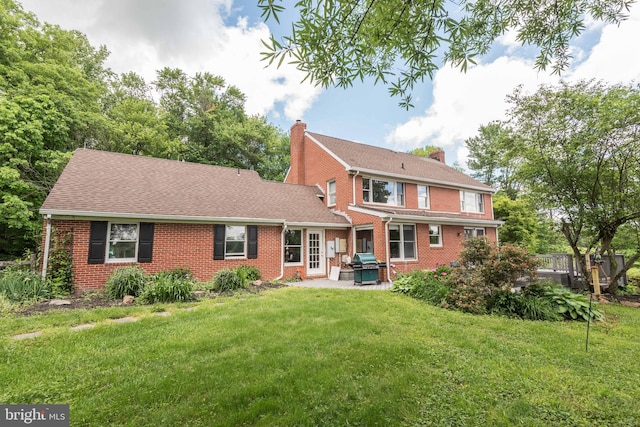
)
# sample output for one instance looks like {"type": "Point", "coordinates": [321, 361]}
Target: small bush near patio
{"type": "Point", "coordinates": [227, 280]}
{"type": "Point", "coordinates": [168, 286]}
{"type": "Point", "coordinates": [21, 286]}
{"type": "Point", "coordinates": [123, 281]}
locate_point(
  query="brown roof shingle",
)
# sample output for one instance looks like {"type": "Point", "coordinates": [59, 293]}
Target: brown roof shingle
{"type": "Point", "coordinates": [99, 183]}
{"type": "Point", "coordinates": [393, 163]}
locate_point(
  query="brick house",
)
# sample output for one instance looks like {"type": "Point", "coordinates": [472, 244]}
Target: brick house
{"type": "Point", "coordinates": [410, 211]}
{"type": "Point", "coordinates": [121, 209]}
{"type": "Point", "coordinates": [339, 198]}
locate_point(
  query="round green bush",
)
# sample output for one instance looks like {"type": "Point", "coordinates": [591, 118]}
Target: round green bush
{"type": "Point", "coordinates": [167, 287]}
{"type": "Point", "coordinates": [248, 272]}
{"type": "Point", "coordinates": [124, 281]}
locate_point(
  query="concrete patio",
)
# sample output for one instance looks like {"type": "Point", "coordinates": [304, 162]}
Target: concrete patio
{"type": "Point", "coordinates": [340, 284]}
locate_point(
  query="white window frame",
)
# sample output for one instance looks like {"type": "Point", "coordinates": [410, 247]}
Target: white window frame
{"type": "Point", "coordinates": [235, 255]}
{"type": "Point", "coordinates": [331, 192]}
{"type": "Point", "coordinates": [424, 199]}
{"type": "Point", "coordinates": [402, 242]}
{"type": "Point", "coordinates": [474, 206]}
{"type": "Point", "coordinates": [438, 235]}
{"type": "Point", "coordinates": [107, 258]}
{"type": "Point", "coordinates": [301, 245]}
{"type": "Point", "coordinates": [473, 231]}
{"type": "Point", "coordinates": [395, 199]}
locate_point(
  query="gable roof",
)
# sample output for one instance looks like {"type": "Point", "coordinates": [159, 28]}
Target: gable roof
{"type": "Point", "coordinates": [104, 184]}
{"type": "Point", "coordinates": [384, 162]}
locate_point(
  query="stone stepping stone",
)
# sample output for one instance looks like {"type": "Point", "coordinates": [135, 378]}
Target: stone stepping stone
{"type": "Point", "coordinates": [83, 327]}
{"type": "Point", "coordinates": [126, 319]}
{"type": "Point", "coordinates": [59, 302]}
{"type": "Point", "coordinates": [163, 313]}
{"type": "Point", "coordinates": [26, 336]}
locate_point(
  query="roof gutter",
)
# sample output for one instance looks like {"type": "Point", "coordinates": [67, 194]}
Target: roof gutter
{"type": "Point", "coordinates": [284, 230]}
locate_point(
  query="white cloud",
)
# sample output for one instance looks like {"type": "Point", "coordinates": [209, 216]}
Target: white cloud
{"type": "Point", "coordinates": [463, 102]}
{"type": "Point", "coordinates": [146, 35]}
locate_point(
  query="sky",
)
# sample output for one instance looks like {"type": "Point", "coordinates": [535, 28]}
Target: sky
{"type": "Point", "coordinates": [223, 37]}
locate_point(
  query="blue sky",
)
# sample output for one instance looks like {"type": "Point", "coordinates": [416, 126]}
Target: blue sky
{"type": "Point", "coordinates": [223, 37]}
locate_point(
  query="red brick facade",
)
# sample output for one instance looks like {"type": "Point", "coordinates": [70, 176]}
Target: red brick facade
{"type": "Point", "coordinates": [181, 245]}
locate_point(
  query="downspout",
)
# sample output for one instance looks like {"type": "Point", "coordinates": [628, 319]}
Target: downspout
{"type": "Point", "coordinates": [284, 230]}
{"type": "Point", "coordinates": [386, 249]}
{"type": "Point", "coordinates": [47, 243]}
{"type": "Point", "coordinates": [353, 184]}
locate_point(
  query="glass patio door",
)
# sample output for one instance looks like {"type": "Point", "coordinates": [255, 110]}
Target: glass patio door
{"type": "Point", "coordinates": [315, 253]}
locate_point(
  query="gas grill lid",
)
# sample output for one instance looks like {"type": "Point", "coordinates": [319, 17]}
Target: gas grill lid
{"type": "Point", "coordinates": [365, 258]}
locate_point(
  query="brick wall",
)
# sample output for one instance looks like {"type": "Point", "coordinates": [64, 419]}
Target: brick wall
{"type": "Point", "coordinates": [183, 245]}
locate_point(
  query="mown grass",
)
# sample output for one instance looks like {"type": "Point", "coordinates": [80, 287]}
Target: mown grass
{"type": "Point", "coordinates": [325, 357]}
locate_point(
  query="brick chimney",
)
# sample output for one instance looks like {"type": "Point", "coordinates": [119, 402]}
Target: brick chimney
{"type": "Point", "coordinates": [296, 149]}
{"type": "Point", "coordinates": [438, 155]}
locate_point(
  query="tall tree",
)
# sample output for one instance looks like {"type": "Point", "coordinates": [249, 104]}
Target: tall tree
{"type": "Point", "coordinates": [398, 42]}
{"type": "Point", "coordinates": [209, 117]}
{"type": "Point", "coordinates": [425, 151]}
{"type": "Point", "coordinates": [580, 151]}
{"type": "Point", "coordinates": [50, 83]}
{"type": "Point", "coordinates": [492, 159]}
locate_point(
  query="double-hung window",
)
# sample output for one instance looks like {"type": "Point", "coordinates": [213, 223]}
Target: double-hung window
{"type": "Point", "coordinates": [331, 193]}
{"type": "Point", "coordinates": [383, 192]}
{"type": "Point", "coordinates": [471, 202]}
{"type": "Point", "coordinates": [235, 241]}
{"type": "Point", "coordinates": [435, 235]}
{"type": "Point", "coordinates": [423, 197]}
{"type": "Point", "coordinates": [470, 233]}
{"type": "Point", "coordinates": [122, 242]}
{"type": "Point", "coordinates": [293, 246]}
{"type": "Point", "coordinates": [402, 241]}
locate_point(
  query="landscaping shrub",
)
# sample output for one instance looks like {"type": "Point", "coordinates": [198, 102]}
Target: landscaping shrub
{"type": "Point", "coordinates": [431, 286]}
{"type": "Point", "coordinates": [227, 280]}
{"type": "Point", "coordinates": [123, 281]}
{"type": "Point", "coordinates": [248, 273]}
{"type": "Point", "coordinates": [633, 277]}
{"type": "Point", "coordinates": [572, 306]}
{"type": "Point", "coordinates": [537, 308]}
{"type": "Point", "coordinates": [20, 286]}
{"type": "Point", "coordinates": [469, 292]}
{"type": "Point", "coordinates": [168, 286]}
{"type": "Point", "coordinates": [59, 270]}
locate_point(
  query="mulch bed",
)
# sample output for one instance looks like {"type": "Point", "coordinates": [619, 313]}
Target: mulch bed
{"type": "Point", "coordinates": [91, 300]}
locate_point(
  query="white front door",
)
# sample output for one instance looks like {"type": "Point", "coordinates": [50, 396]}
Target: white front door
{"type": "Point", "coordinates": [315, 253]}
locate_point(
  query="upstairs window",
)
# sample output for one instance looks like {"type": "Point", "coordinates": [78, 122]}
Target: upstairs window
{"type": "Point", "coordinates": [471, 202]}
{"type": "Point", "coordinates": [383, 192]}
{"type": "Point", "coordinates": [423, 197]}
{"type": "Point", "coordinates": [331, 193]}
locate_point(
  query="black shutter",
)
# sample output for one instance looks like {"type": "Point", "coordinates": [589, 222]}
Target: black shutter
{"type": "Point", "coordinates": [145, 242]}
{"type": "Point", "coordinates": [97, 242]}
{"type": "Point", "coordinates": [252, 248]}
{"type": "Point", "coordinates": [218, 241]}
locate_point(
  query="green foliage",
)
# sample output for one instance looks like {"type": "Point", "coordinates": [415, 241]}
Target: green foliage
{"type": "Point", "coordinates": [528, 306]}
{"type": "Point", "coordinates": [168, 286]}
{"type": "Point", "coordinates": [573, 306]}
{"type": "Point", "coordinates": [633, 276]}
{"type": "Point", "coordinates": [248, 272]}
{"type": "Point", "coordinates": [227, 280]}
{"type": "Point", "coordinates": [498, 266]}
{"type": "Point", "coordinates": [21, 286]}
{"type": "Point", "coordinates": [399, 43]}
{"type": "Point", "coordinates": [129, 280]}
{"type": "Point", "coordinates": [469, 292]}
{"type": "Point", "coordinates": [431, 286]}
{"type": "Point", "coordinates": [60, 265]}
{"type": "Point", "coordinates": [520, 221]}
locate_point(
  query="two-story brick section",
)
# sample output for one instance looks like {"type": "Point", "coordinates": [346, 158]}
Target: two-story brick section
{"type": "Point", "coordinates": [339, 198]}
{"type": "Point", "coordinates": [410, 211]}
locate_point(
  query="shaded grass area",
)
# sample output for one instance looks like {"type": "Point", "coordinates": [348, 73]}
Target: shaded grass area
{"type": "Point", "coordinates": [326, 357]}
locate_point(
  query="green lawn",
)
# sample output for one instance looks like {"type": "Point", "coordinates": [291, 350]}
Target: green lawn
{"type": "Point", "coordinates": [294, 356]}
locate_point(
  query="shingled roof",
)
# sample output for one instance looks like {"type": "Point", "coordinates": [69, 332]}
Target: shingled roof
{"type": "Point", "coordinates": [104, 184]}
{"type": "Point", "coordinates": [370, 159]}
